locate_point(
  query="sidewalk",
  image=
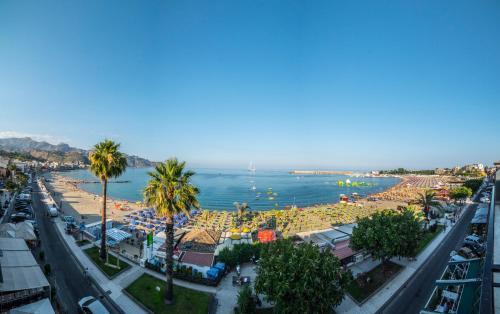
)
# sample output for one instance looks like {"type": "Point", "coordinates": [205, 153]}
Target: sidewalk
{"type": "Point", "coordinates": [112, 287]}
{"type": "Point", "coordinates": [377, 300]}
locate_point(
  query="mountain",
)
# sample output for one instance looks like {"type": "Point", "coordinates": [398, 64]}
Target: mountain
{"type": "Point", "coordinates": [62, 153]}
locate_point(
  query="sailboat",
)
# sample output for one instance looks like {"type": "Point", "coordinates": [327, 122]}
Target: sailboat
{"type": "Point", "coordinates": [251, 168]}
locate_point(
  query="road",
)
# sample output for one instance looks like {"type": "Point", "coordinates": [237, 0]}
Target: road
{"type": "Point", "coordinates": [71, 284]}
{"type": "Point", "coordinates": [412, 298]}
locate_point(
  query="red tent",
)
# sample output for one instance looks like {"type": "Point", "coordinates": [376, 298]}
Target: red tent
{"type": "Point", "coordinates": [266, 236]}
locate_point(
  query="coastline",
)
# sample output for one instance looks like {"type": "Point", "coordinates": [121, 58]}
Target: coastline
{"type": "Point", "coordinates": [79, 203]}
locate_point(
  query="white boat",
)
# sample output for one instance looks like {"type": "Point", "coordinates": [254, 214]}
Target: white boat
{"type": "Point", "coordinates": [251, 168]}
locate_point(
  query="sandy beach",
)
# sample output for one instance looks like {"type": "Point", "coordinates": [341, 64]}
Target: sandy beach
{"type": "Point", "coordinates": [86, 207]}
{"type": "Point", "coordinates": [81, 204]}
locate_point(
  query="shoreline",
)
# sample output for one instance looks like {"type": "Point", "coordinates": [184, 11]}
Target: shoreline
{"type": "Point", "coordinates": [78, 202]}
{"type": "Point", "coordinates": [76, 182]}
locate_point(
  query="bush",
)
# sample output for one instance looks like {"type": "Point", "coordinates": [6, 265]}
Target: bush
{"type": "Point", "coordinates": [433, 228]}
{"type": "Point", "coordinates": [239, 254]}
{"type": "Point", "coordinates": [245, 303]}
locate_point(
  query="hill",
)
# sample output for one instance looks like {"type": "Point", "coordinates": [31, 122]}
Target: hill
{"type": "Point", "coordinates": [62, 153]}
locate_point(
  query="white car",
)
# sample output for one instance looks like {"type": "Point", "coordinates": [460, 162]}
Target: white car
{"type": "Point", "coordinates": [473, 239]}
{"type": "Point", "coordinates": [484, 200]}
{"type": "Point", "coordinates": [90, 305]}
{"type": "Point", "coordinates": [457, 258]}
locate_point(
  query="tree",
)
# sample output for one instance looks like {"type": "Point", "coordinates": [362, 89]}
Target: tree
{"type": "Point", "coordinates": [460, 193]}
{"type": "Point", "coordinates": [241, 208]}
{"type": "Point", "coordinates": [473, 184]}
{"type": "Point", "coordinates": [10, 185]}
{"type": "Point", "coordinates": [388, 234]}
{"type": "Point", "coordinates": [428, 201]}
{"type": "Point", "coordinates": [106, 162]}
{"type": "Point", "coordinates": [300, 279]}
{"type": "Point", "coordinates": [21, 179]}
{"type": "Point", "coordinates": [170, 192]}
{"type": "Point", "coordinates": [246, 302]}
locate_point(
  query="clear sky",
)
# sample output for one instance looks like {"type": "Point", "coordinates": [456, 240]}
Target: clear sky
{"type": "Point", "coordinates": [285, 84]}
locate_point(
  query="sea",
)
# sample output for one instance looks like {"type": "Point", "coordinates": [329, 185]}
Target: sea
{"type": "Point", "coordinates": [262, 189]}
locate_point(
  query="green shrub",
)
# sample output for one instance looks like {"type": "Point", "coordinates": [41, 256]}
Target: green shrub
{"type": "Point", "coordinates": [473, 184]}
{"type": "Point", "coordinates": [245, 303]}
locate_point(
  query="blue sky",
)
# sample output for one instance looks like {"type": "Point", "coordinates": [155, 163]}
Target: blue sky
{"type": "Point", "coordinates": [286, 84]}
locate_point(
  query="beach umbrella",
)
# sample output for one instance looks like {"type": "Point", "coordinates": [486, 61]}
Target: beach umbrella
{"type": "Point", "coordinates": [133, 222]}
{"type": "Point", "coordinates": [142, 215]}
{"type": "Point", "coordinates": [150, 226]}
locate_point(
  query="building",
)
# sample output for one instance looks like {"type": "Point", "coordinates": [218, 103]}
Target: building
{"type": "Point", "coordinates": [21, 279]}
{"type": "Point", "coordinates": [39, 307]}
{"type": "Point", "coordinates": [201, 262]}
{"type": "Point", "coordinates": [336, 239]}
{"type": "Point", "coordinates": [200, 240]}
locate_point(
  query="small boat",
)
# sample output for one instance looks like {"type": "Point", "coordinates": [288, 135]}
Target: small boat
{"type": "Point", "coordinates": [271, 198]}
{"type": "Point", "coordinates": [254, 188]}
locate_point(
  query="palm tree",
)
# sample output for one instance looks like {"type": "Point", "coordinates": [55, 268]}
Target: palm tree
{"type": "Point", "coordinates": [106, 162]}
{"type": "Point", "coordinates": [241, 208]}
{"type": "Point", "coordinates": [427, 200]}
{"type": "Point", "coordinates": [170, 192]}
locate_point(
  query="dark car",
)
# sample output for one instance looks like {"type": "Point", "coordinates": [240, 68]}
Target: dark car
{"type": "Point", "coordinates": [19, 217]}
{"type": "Point", "coordinates": [477, 249]}
{"type": "Point", "coordinates": [22, 207]}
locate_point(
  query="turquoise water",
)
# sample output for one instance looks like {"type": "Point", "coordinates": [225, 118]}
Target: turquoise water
{"type": "Point", "coordinates": [221, 188]}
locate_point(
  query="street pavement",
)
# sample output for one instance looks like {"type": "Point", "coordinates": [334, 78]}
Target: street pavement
{"type": "Point", "coordinates": [415, 293]}
{"type": "Point", "coordinates": [71, 284]}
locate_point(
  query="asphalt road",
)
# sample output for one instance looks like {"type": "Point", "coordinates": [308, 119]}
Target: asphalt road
{"type": "Point", "coordinates": [71, 284]}
{"type": "Point", "coordinates": [412, 298]}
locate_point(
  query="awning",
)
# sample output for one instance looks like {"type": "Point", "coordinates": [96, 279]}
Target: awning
{"type": "Point", "coordinates": [117, 235]}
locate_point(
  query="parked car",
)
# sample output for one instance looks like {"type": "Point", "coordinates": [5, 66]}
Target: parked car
{"type": "Point", "coordinates": [91, 305]}
{"type": "Point", "coordinates": [466, 252]}
{"type": "Point", "coordinates": [477, 249]}
{"type": "Point", "coordinates": [457, 258]}
{"type": "Point", "coordinates": [473, 239]}
{"type": "Point", "coordinates": [19, 217]}
{"type": "Point", "coordinates": [484, 200]}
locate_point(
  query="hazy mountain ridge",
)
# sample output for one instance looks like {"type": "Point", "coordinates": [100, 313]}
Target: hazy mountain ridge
{"type": "Point", "coordinates": [61, 153]}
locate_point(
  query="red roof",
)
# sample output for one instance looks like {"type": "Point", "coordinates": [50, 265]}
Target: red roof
{"type": "Point", "coordinates": [342, 249]}
{"type": "Point", "coordinates": [200, 259]}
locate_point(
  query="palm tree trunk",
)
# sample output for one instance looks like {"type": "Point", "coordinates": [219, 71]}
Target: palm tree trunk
{"type": "Point", "coordinates": [103, 220]}
{"type": "Point", "coordinates": [169, 244]}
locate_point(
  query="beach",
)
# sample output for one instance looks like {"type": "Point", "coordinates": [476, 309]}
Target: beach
{"type": "Point", "coordinates": [86, 207]}
{"type": "Point", "coordinates": [79, 203]}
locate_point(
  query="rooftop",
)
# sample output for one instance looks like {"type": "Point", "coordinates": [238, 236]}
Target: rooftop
{"type": "Point", "coordinates": [19, 268]}
{"type": "Point", "coordinates": [200, 259]}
